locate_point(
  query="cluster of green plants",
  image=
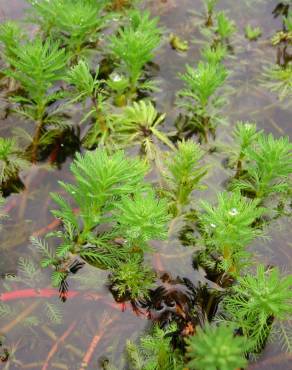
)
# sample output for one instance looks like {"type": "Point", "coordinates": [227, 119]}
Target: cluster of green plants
{"type": "Point", "coordinates": [204, 94]}
{"type": "Point", "coordinates": [118, 203]}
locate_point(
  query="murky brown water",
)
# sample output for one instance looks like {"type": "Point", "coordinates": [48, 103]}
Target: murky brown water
{"type": "Point", "coordinates": [41, 345]}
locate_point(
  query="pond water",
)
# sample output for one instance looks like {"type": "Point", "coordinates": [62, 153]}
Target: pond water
{"type": "Point", "coordinates": [91, 313]}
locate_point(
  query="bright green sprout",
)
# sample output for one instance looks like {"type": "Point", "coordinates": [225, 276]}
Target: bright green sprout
{"type": "Point", "coordinates": [185, 173]}
{"type": "Point", "coordinates": [154, 351]}
{"type": "Point", "coordinates": [141, 218]}
{"type": "Point", "coordinates": [37, 66]}
{"type": "Point", "coordinates": [268, 167]}
{"type": "Point", "coordinates": [225, 27]}
{"type": "Point", "coordinates": [215, 348]}
{"type": "Point", "coordinates": [133, 46]}
{"type": "Point", "coordinates": [257, 301]}
{"type": "Point", "coordinates": [85, 86]}
{"type": "Point", "coordinates": [138, 124]}
{"type": "Point", "coordinates": [252, 33]}
{"type": "Point", "coordinates": [76, 22]}
{"type": "Point", "coordinates": [278, 79]}
{"type": "Point", "coordinates": [214, 54]}
{"type": "Point", "coordinates": [288, 21]}
{"type": "Point", "coordinates": [245, 134]}
{"type": "Point", "coordinates": [132, 279]}
{"type": "Point", "coordinates": [199, 98]}
{"type": "Point", "coordinates": [228, 228]}
{"type": "Point", "coordinates": [11, 36]}
{"type": "Point", "coordinates": [109, 192]}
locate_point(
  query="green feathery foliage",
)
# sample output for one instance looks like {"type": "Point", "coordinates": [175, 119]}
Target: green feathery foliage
{"type": "Point", "coordinates": [112, 202]}
{"type": "Point", "coordinates": [141, 218]}
{"type": "Point", "coordinates": [86, 86]}
{"type": "Point", "coordinates": [133, 46]}
{"type": "Point", "coordinates": [11, 36]}
{"type": "Point", "coordinates": [53, 313]}
{"type": "Point", "coordinates": [225, 27]}
{"type": "Point", "coordinates": [245, 134]}
{"type": "Point", "coordinates": [278, 79]}
{"type": "Point", "coordinates": [37, 65]}
{"type": "Point", "coordinates": [185, 173]}
{"type": "Point", "coordinates": [257, 301]}
{"type": "Point", "coordinates": [133, 279]}
{"type": "Point", "coordinates": [137, 124]}
{"type": "Point", "coordinates": [48, 254]}
{"type": "Point", "coordinates": [11, 160]}
{"type": "Point", "coordinates": [214, 54]}
{"type": "Point", "coordinates": [6, 311]}
{"type": "Point", "coordinates": [154, 351]}
{"type": "Point", "coordinates": [29, 271]}
{"type": "Point", "coordinates": [267, 169]}
{"type": "Point", "coordinates": [227, 229]}
{"type": "Point", "coordinates": [252, 33]}
{"type": "Point", "coordinates": [76, 22]}
{"type": "Point", "coordinates": [198, 96]}
{"type": "Point", "coordinates": [216, 348]}
{"type": "Point", "coordinates": [288, 21]}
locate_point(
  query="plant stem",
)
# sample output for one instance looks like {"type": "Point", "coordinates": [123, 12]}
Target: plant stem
{"type": "Point", "coordinates": [99, 117]}
{"type": "Point", "coordinates": [35, 141]}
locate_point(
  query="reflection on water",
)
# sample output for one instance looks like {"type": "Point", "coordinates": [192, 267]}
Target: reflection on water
{"type": "Point", "coordinates": [35, 327]}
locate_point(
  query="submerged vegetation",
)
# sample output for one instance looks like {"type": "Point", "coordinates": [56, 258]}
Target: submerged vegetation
{"type": "Point", "coordinates": [83, 85]}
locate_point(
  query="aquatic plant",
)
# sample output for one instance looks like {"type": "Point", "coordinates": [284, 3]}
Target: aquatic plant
{"type": "Point", "coordinates": [86, 86]}
{"type": "Point", "coordinates": [29, 275]}
{"type": "Point", "coordinates": [288, 21]}
{"type": "Point", "coordinates": [132, 279]}
{"type": "Point", "coordinates": [225, 27]}
{"type": "Point", "coordinates": [12, 160]}
{"type": "Point", "coordinates": [178, 44]}
{"type": "Point", "coordinates": [11, 36]}
{"type": "Point", "coordinates": [37, 65]}
{"type": "Point", "coordinates": [278, 79]}
{"type": "Point", "coordinates": [245, 134]}
{"type": "Point", "coordinates": [209, 9]}
{"type": "Point", "coordinates": [133, 47]}
{"type": "Point", "coordinates": [184, 175]}
{"type": "Point", "coordinates": [138, 124]}
{"type": "Point", "coordinates": [257, 301]}
{"type": "Point", "coordinates": [118, 85]}
{"type": "Point", "coordinates": [214, 54]}
{"type": "Point", "coordinates": [198, 96]}
{"type": "Point", "coordinates": [154, 351]}
{"type": "Point", "coordinates": [109, 193]}
{"type": "Point", "coordinates": [252, 33]}
{"type": "Point", "coordinates": [267, 169]}
{"type": "Point", "coordinates": [77, 23]}
{"type": "Point", "coordinates": [227, 229]}
{"type": "Point", "coordinates": [215, 347]}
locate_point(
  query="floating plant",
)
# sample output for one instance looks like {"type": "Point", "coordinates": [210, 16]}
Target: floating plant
{"type": "Point", "coordinates": [133, 46]}
{"type": "Point", "coordinates": [199, 97]}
